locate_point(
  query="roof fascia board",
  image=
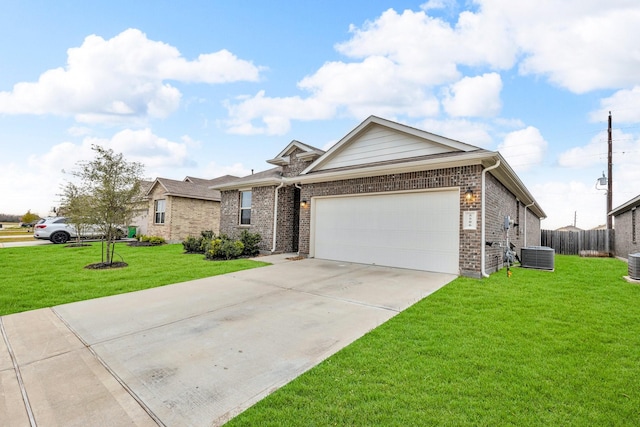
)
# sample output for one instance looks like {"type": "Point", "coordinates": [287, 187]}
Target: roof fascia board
{"type": "Point", "coordinates": [321, 176]}
{"type": "Point", "coordinates": [626, 206]}
{"type": "Point", "coordinates": [189, 196]}
{"type": "Point", "coordinates": [264, 182]}
{"type": "Point", "coordinates": [280, 161]}
{"type": "Point", "coordinates": [507, 176]}
{"type": "Point", "coordinates": [283, 158]}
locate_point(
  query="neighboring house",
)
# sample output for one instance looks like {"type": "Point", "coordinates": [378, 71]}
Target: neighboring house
{"type": "Point", "coordinates": [625, 219]}
{"type": "Point", "coordinates": [140, 218]}
{"type": "Point", "coordinates": [569, 228]}
{"type": "Point", "coordinates": [178, 209]}
{"type": "Point", "coordinates": [387, 194]}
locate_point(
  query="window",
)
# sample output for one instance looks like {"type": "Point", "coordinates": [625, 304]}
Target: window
{"type": "Point", "coordinates": [245, 207]}
{"type": "Point", "coordinates": [518, 217]}
{"type": "Point", "coordinates": [160, 206]}
{"type": "Point", "coordinates": [633, 225]}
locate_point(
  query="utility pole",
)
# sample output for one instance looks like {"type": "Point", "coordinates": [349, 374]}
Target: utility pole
{"type": "Point", "coordinates": [609, 177]}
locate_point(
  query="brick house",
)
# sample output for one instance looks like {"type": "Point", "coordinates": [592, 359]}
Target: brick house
{"type": "Point", "coordinates": [178, 209]}
{"type": "Point", "coordinates": [626, 227]}
{"type": "Point", "coordinates": [387, 194]}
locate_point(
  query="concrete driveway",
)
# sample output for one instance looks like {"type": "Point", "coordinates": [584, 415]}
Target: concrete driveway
{"type": "Point", "coordinates": [195, 353]}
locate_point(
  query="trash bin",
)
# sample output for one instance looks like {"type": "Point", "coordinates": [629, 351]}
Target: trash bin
{"type": "Point", "coordinates": [132, 232]}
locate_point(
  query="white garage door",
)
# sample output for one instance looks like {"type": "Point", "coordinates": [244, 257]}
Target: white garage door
{"type": "Point", "coordinates": [413, 230]}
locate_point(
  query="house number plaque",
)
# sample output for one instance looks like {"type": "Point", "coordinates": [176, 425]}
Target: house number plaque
{"type": "Point", "coordinates": [469, 220]}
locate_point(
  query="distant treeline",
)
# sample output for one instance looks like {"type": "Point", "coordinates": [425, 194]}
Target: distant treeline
{"type": "Point", "coordinates": [9, 218]}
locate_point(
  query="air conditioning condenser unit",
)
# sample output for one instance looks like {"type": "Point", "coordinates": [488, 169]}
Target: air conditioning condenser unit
{"type": "Point", "coordinates": [634, 266]}
{"type": "Point", "coordinates": [539, 257]}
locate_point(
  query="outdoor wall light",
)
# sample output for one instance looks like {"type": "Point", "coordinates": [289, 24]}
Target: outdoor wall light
{"type": "Point", "coordinates": [468, 195]}
{"type": "Point", "coordinates": [303, 204]}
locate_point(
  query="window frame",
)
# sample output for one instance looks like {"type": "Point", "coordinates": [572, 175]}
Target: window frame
{"type": "Point", "coordinates": [242, 208]}
{"type": "Point", "coordinates": [634, 228]}
{"type": "Point", "coordinates": [159, 216]}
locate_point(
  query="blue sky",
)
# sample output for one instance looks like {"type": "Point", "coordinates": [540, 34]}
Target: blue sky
{"type": "Point", "coordinates": [207, 88]}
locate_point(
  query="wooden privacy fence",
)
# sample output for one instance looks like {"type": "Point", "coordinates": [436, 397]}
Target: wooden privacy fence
{"type": "Point", "coordinates": [584, 242]}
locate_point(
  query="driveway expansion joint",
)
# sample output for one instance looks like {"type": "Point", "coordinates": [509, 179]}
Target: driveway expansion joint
{"type": "Point", "coordinates": [135, 397]}
{"type": "Point", "coordinates": [16, 369]}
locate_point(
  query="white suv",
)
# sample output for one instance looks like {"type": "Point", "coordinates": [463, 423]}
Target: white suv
{"type": "Point", "coordinates": [58, 230]}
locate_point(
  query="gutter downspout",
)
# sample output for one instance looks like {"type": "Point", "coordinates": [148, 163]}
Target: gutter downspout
{"type": "Point", "coordinates": [483, 238]}
{"type": "Point", "coordinates": [275, 215]}
{"type": "Point", "coordinates": [525, 222]}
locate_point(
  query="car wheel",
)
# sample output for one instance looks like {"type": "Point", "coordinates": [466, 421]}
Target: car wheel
{"type": "Point", "coordinates": [59, 237]}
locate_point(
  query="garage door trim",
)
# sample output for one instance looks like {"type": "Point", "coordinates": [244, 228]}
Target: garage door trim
{"type": "Point", "coordinates": [314, 199]}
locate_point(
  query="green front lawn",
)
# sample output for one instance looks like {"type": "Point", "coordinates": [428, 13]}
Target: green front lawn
{"type": "Point", "coordinates": [538, 349]}
{"type": "Point", "coordinates": [44, 276]}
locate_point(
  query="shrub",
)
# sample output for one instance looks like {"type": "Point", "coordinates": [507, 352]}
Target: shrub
{"type": "Point", "coordinates": [231, 249]}
{"type": "Point", "coordinates": [192, 245]}
{"type": "Point", "coordinates": [224, 249]}
{"type": "Point", "coordinates": [250, 242]}
{"type": "Point", "coordinates": [196, 245]}
{"type": "Point", "coordinates": [151, 240]}
{"type": "Point", "coordinates": [157, 240]}
{"type": "Point", "coordinates": [207, 234]}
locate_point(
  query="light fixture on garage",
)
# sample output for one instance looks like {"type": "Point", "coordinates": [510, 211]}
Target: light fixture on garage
{"type": "Point", "coordinates": [468, 195]}
{"type": "Point", "coordinates": [303, 204]}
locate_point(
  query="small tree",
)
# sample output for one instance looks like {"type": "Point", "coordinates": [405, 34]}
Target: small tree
{"type": "Point", "coordinates": [77, 208]}
{"type": "Point", "coordinates": [29, 217]}
{"type": "Point", "coordinates": [113, 186]}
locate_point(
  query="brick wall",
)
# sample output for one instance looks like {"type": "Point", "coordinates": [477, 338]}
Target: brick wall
{"type": "Point", "coordinates": [183, 217]}
{"type": "Point", "coordinates": [623, 242]}
{"type": "Point", "coordinates": [162, 230]}
{"type": "Point", "coordinates": [262, 204]}
{"type": "Point", "coordinates": [191, 216]}
{"type": "Point", "coordinates": [295, 165]}
{"type": "Point", "coordinates": [288, 219]}
{"type": "Point", "coordinates": [500, 202]}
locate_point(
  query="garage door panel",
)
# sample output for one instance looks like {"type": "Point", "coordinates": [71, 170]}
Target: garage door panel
{"type": "Point", "coordinates": [407, 230]}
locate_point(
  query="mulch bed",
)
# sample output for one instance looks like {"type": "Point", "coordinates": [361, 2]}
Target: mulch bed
{"type": "Point", "coordinates": [105, 266]}
{"type": "Point", "coordinates": [136, 243]}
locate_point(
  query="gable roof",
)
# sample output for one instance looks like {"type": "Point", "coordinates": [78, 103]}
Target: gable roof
{"type": "Point", "coordinates": [378, 140]}
{"type": "Point", "coordinates": [309, 153]}
{"type": "Point", "coordinates": [209, 182]}
{"type": "Point", "coordinates": [381, 147]}
{"type": "Point", "coordinates": [185, 189]}
{"type": "Point", "coordinates": [626, 206]}
{"type": "Point", "coordinates": [268, 177]}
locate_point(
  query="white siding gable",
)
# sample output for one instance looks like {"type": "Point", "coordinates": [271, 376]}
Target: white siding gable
{"type": "Point", "coordinates": [380, 144]}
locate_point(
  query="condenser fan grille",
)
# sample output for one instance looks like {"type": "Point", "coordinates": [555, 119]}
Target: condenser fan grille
{"type": "Point", "coordinates": [540, 257]}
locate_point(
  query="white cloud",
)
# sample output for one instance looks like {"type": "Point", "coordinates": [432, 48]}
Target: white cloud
{"type": "Point", "coordinates": [523, 149]}
{"type": "Point", "coordinates": [625, 105]}
{"type": "Point", "coordinates": [562, 200]}
{"type": "Point", "coordinates": [437, 4]}
{"type": "Point", "coordinates": [19, 196]}
{"type": "Point", "coordinates": [580, 45]}
{"type": "Point", "coordinates": [473, 133]}
{"type": "Point", "coordinates": [274, 113]}
{"type": "Point", "coordinates": [395, 63]}
{"type": "Point", "coordinates": [626, 150]}
{"type": "Point", "coordinates": [121, 79]}
{"type": "Point", "coordinates": [214, 170]}
{"type": "Point", "coordinates": [474, 96]}
{"type": "Point", "coordinates": [588, 155]}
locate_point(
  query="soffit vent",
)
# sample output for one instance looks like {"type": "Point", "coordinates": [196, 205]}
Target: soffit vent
{"type": "Point", "coordinates": [539, 257]}
{"type": "Point", "coordinates": [634, 266]}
